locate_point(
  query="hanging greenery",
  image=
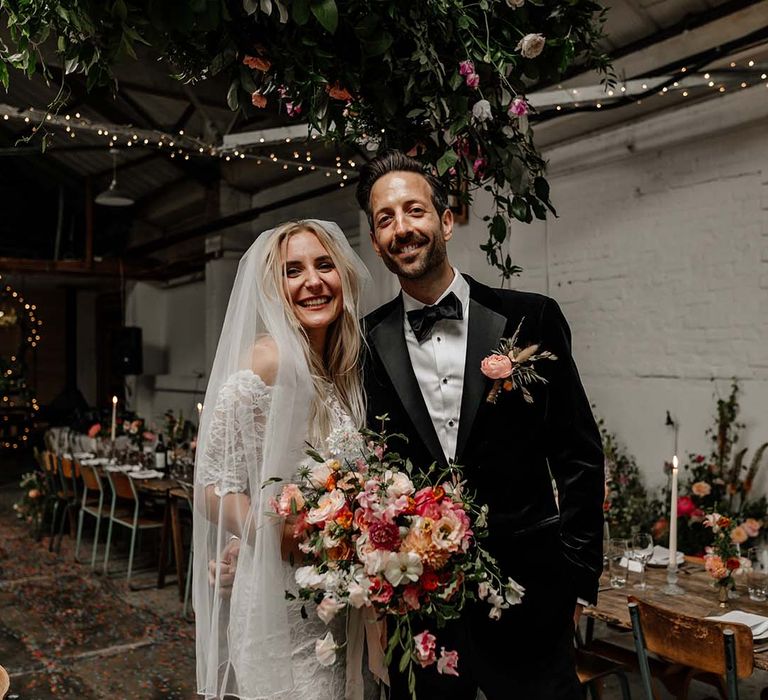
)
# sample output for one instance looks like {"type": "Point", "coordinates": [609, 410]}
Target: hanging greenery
{"type": "Point", "coordinates": [444, 80]}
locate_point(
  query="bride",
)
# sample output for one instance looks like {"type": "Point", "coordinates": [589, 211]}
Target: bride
{"type": "Point", "coordinates": [286, 372]}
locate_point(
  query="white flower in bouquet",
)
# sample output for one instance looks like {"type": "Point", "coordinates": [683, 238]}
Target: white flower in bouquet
{"type": "Point", "coordinates": [398, 484]}
{"type": "Point", "coordinates": [375, 561]}
{"type": "Point", "coordinates": [513, 592]}
{"type": "Point", "coordinates": [309, 577]}
{"type": "Point", "coordinates": [325, 650]}
{"type": "Point", "coordinates": [345, 442]}
{"type": "Point", "coordinates": [330, 541]}
{"type": "Point", "coordinates": [358, 593]}
{"type": "Point", "coordinates": [403, 566]}
{"type": "Point", "coordinates": [319, 473]}
{"type": "Point", "coordinates": [327, 608]}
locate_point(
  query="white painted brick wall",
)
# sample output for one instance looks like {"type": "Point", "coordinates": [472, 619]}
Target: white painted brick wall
{"type": "Point", "coordinates": [660, 263]}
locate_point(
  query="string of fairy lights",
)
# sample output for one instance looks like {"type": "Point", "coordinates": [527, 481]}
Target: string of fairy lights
{"type": "Point", "coordinates": [180, 145]}
{"type": "Point", "coordinates": [16, 311]}
{"type": "Point", "coordinates": [686, 81]}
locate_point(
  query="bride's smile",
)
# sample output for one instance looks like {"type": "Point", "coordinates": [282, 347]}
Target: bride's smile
{"type": "Point", "coordinates": [312, 282]}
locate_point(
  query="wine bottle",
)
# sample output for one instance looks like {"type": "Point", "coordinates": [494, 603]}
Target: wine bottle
{"type": "Point", "coordinates": [161, 454]}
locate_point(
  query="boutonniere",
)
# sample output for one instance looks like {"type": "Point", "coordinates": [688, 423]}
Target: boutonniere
{"type": "Point", "coordinates": [511, 367]}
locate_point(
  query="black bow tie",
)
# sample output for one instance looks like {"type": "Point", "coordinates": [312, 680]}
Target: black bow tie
{"type": "Point", "coordinates": [422, 320]}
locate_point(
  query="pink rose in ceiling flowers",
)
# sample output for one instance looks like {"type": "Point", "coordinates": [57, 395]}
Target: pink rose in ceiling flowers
{"type": "Point", "coordinates": [466, 68]}
{"type": "Point", "coordinates": [518, 107]}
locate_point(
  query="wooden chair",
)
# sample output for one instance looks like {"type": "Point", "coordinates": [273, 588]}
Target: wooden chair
{"type": "Point", "coordinates": [69, 480]}
{"type": "Point", "coordinates": [722, 650]}
{"type": "Point", "coordinates": [54, 499]}
{"type": "Point", "coordinates": [592, 667]}
{"type": "Point", "coordinates": [92, 503]}
{"type": "Point", "coordinates": [124, 492]}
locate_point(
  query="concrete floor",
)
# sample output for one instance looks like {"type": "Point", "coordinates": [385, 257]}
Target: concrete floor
{"type": "Point", "coordinates": [67, 632]}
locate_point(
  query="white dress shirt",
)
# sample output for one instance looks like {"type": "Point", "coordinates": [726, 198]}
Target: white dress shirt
{"type": "Point", "coordinates": [438, 363]}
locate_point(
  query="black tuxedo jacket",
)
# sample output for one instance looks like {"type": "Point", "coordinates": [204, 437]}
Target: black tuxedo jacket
{"type": "Point", "coordinates": [510, 448]}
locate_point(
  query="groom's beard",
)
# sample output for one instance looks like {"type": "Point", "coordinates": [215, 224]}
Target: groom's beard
{"type": "Point", "coordinates": [429, 258]}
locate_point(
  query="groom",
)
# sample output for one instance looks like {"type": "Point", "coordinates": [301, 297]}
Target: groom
{"type": "Point", "coordinates": [423, 371]}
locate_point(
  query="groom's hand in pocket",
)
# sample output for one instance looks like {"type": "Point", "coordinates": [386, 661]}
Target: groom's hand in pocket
{"type": "Point", "coordinates": [228, 568]}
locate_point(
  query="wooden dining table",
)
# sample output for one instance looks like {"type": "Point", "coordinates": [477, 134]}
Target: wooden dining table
{"type": "Point", "coordinates": [699, 599]}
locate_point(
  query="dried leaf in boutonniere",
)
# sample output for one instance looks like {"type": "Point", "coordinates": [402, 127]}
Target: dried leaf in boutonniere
{"type": "Point", "coordinates": [512, 367]}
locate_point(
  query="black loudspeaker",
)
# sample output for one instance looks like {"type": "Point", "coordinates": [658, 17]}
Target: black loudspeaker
{"type": "Point", "coordinates": [126, 351]}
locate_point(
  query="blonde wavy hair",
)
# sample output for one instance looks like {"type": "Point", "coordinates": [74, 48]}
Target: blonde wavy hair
{"type": "Point", "coordinates": [340, 364]}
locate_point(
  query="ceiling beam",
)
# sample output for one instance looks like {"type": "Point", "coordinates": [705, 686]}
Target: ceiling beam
{"type": "Point", "coordinates": [685, 26]}
{"type": "Point", "coordinates": [231, 220]}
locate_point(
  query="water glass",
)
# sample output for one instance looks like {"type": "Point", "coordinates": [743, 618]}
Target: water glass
{"type": "Point", "coordinates": [618, 561]}
{"type": "Point", "coordinates": [757, 574]}
{"type": "Point", "coordinates": [642, 551]}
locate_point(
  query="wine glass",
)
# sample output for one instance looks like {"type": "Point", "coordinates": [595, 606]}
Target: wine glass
{"type": "Point", "coordinates": [642, 551]}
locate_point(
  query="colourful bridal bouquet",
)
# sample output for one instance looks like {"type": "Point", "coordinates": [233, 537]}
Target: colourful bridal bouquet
{"type": "Point", "coordinates": [378, 533]}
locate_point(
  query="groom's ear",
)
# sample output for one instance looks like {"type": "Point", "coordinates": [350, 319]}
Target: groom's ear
{"type": "Point", "coordinates": [447, 221]}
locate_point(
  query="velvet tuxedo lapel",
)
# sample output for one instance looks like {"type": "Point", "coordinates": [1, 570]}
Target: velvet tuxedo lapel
{"type": "Point", "coordinates": [389, 340]}
{"type": "Point", "coordinates": [486, 327]}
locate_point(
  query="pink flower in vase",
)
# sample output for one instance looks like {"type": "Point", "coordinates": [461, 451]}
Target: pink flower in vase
{"type": "Point", "coordinates": [685, 506]}
{"type": "Point", "coordinates": [715, 567]}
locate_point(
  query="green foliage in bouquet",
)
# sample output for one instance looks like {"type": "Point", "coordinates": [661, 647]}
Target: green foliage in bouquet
{"type": "Point", "coordinates": [627, 504]}
{"type": "Point", "coordinates": [445, 79]}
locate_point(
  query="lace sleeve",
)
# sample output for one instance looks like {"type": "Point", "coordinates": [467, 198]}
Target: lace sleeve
{"type": "Point", "coordinates": [238, 421]}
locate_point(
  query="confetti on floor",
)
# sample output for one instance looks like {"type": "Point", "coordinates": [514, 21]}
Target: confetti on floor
{"type": "Point", "coordinates": [66, 632]}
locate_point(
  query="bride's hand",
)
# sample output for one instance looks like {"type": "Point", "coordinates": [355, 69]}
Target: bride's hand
{"type": "Point", "coordinates": [228, 568]}
{"type": "Point", "coordinates": [289, 545]}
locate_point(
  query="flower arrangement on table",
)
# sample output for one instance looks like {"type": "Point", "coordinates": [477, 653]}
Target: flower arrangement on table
{"type": "Point", "coordinates": [721, 482]}
{"type": "Point", "coordinates": [378, 533]}
{"type": "Point", "coordinates": [722, 556]}
{"type": "Point", "coordinates": [31, 505]}
{"type": "Point", "coordinates": [445, 80]}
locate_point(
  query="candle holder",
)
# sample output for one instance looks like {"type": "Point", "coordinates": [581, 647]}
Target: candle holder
{"type": "Point", "coordinates": [672, 588]}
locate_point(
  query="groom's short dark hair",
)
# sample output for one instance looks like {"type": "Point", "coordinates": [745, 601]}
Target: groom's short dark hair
{"type": "Point", "coordinates": [396, 161]}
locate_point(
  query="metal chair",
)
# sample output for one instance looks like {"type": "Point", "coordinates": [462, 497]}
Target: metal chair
{"type": "Point", "coordinates": [723, 650]}
{"type": "Point", "coordinates": [124, 490]}
{"type": "Point", "coordinates": [91, 505]}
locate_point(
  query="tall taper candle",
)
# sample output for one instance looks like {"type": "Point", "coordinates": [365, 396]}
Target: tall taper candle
{"type": "Point", "coordinates": [114, 416]}
{"type": "Point", "coordinates": [673, 515]}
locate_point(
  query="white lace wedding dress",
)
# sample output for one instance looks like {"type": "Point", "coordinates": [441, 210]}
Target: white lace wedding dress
{"type": "Point", "coordinates": [245, 398]}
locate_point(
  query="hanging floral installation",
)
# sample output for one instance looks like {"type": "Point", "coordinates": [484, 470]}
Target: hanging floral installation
{"type": "Point", "coordinates": [443, 80]}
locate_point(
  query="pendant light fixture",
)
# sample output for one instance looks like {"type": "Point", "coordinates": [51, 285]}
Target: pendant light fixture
{"type": "Point", "coordinates": [112, 196]}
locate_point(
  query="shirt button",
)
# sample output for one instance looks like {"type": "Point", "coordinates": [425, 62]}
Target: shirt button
{"type": "Point", "coordinates": [438, 339]}
{"type": "Point", "coordinates": [445, 380]}
{"type": "Point", "coordinates": [451, 423]}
